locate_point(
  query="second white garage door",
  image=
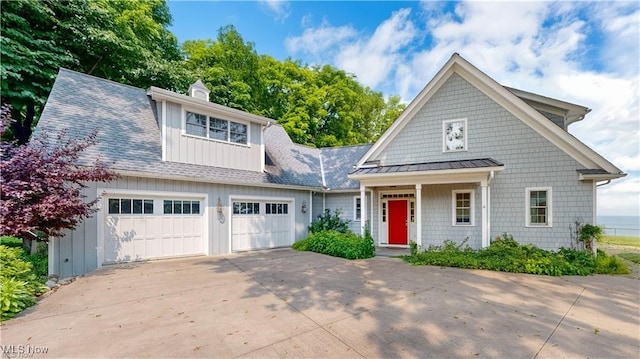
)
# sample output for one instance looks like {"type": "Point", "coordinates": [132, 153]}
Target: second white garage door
{"type": "Point", "coordinates": [261, 224]}
{"type": "Point", "coordinates": [138, 228]}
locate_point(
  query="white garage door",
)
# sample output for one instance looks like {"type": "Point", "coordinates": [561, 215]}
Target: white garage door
{"type": "Point", "coordinates": [147, 228]}
{"type": "Point", "coordinates": [261, 224]}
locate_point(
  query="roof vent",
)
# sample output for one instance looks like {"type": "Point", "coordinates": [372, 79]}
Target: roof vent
{"type": "Point", "coordinates": [199, 90]}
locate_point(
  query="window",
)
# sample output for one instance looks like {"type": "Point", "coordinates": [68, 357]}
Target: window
{"type": "Point", "coordinates": [246, 208]}
{"type": "Point", "coordinates": [277, 208]}
{"type": "Point", "coordinates": [216, 129]}
{"type": "Point", "coordinates": [412, 212]}
{"type": "Point", "coordinates": [463, 208]}
{"type": "Point", "coordinates": [538, 207]}
{"type": "Point", "coordinates": [357, 208]}
{"type": "Point", "coordinates": [171, 206]}
{"type": "Point", "coordinates": [196, 124]}
{"type": "Point", "coordinates": [130, 206]}
{"type": "Point", "coordinates": [384, 212]}
{"type": "Point", "coordinates": [454, 135]}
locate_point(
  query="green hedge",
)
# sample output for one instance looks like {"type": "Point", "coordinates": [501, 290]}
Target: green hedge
{"type": "Point", "coordinates": [346, 245]}
{"type": "Point", "coordinates": [507, 255]}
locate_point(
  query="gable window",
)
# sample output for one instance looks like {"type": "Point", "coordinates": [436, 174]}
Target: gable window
{"type": "Point", "coordinates": [538, 207]}
{"type": "Point", "coordinates": [216, 128]}
{"type": "Point", "coordinates": [463, 208]}
{"type": "Point", "coordinates": [454, 135]}
{"type": "Point", "coordinates": [357, 208]}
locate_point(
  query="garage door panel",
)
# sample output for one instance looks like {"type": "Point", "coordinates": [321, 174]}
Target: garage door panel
{"type": "Point", "coordinates": [262, 230]}
{"type": "Point", "coordinates": [141, 236]}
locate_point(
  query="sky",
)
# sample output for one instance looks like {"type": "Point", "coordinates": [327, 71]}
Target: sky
{"type": "Point", "coordinates": [586, 53]}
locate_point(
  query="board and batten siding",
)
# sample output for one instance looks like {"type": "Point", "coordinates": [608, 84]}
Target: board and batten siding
{"type": "Point", "coordinates": [202, 151]}
{"type": "Point", "coordinates": [77, 252]}
{"type": "Point", "coordinates": [493, 132]}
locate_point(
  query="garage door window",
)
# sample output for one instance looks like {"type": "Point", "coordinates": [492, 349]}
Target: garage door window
{"type": "Point", "coordinates": [277, 208]}
{"type": "Point", "coordinates": [181, 207]}
{"type": "Point", "coordinates": [130, 206]}
{"type": "Point", "coordinates": [246, 208]}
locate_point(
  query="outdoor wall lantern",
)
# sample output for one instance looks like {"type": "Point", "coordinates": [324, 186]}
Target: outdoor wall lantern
{"type": "Point", "coordinates": [304, 206]}
{"type": "Point", "coordinates": [219, 206]}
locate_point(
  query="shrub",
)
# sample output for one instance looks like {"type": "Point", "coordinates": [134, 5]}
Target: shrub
{"type": "Point", "coordinates": [606, 264]}
{"type": "Point", "coordinates": [301, 245]}
{"type": "Point", "coordinates": [18, 282]}
{"type": "Point", "coordinates": [346, 245]}
{"type": "Point", "coordinates": [10, 241]}
{"type": "Point", "coordinates": [330, 222]}
{"type": "Point", "coordinates": [507, 255]}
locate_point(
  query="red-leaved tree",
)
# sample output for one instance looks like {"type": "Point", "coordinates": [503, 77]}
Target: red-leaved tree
{"type": "Point", "coordinates": [42, 184]}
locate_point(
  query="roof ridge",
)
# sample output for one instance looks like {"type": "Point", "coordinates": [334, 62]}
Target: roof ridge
{"type": "Point", "coordinates": [64, 69]}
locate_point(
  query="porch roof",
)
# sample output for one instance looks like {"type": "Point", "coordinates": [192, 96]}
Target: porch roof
{"type": "Point", "coordinates": [430, 166]}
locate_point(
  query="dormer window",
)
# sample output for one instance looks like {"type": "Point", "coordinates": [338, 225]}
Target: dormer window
{"type": "Point", "coordinates": [215, 128]}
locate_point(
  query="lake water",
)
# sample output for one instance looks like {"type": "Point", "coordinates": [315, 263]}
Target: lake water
{"type": "Point", "coordinates": [620, 225]}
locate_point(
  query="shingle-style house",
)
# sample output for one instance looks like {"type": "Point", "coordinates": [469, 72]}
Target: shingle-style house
{"type": "Point", "coordinates": [468, 159]}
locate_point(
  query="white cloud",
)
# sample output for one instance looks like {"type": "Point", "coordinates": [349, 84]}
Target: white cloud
{"type": "Point", "coordinates": [318, 42]}
{"type": "Point", "coordinates": [585, 53]}
{"type": "Point", "coordinates": [372, 59]}
{"type": "Point", "coordinates": [280, 8]}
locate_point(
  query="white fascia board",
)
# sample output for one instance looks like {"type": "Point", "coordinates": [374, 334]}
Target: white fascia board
{"type": "Point", "coordinates": [570, 108]}
{"type": "Point", "coordinates": [127, 173]}
{"type": "Point", "coordinates": [527, 114]}
{"type": "Point", "coordinates": [427, 177]}
{"type": "Point", "coordinates": [600, 177]}
{"type": "Point", "coordinates": [227, 113]}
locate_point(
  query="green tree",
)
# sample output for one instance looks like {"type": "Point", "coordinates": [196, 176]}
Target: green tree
{"type": "Point", "coordinates": [121, 40]}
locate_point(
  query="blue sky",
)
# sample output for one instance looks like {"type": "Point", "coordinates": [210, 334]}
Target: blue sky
{"type": "Point", "coordinates": [585, 53]}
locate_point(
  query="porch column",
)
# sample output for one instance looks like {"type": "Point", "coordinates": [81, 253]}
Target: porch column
{"type": "Point", "coordinates": [485, 215]}
{"type": "Point", "coordinates": [419, 215]}
{"type": "Point", "coordinates": [363, 209]}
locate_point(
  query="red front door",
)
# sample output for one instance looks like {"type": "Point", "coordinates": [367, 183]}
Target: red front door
{"type": "Point", "coordinates": [398, 222]}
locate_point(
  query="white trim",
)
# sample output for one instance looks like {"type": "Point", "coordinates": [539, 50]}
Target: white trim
{"type": "Point", "coordinates": [51, 256]}
{"type": "Point", "coordinates": [549, 213]}
{"type": "Point", "coordinates": [241, 197]}
{"type": "Point", "coordinates": [355, 206]}
{"type": "Point", "coordinates": [104, 193]}
{"type": "Point", "coordinates": [465, 135]}
{"type": "Point", "coordinates": [157, 94]}
{"type": "Point", "coordinates": [472, 209]}
{"type": "Point", "coordinates": [127, 173]}
{"type": "Point", "coordinates": [505, 98]}
{"type": "Point", "coordinates": [183, 125]}
{"type": "Point", "coordinates": [163, 129]}
{"type": "Point", "coordinates": [418, 214]}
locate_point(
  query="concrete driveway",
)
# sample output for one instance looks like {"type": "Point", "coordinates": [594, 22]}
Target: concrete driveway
{"type": "Point", "coordinates": [289, 304]}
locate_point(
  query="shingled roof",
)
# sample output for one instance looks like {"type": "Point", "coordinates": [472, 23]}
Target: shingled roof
{"type": "Point", "coordinates": [129, 140]}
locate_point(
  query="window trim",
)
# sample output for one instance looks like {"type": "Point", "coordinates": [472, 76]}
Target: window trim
{"type": "Point", "coordinates": [527, 204]}
{"type": "Point", "coordinates": [357, 206]}
{"type": "Point", "coordinates": [472, 206]}
{"type": "Point", "coordinates": [464, 138]}
{"type": "Point", "coordinates": [208, 124]}
{"type": "Point", "coordinates": [131, 200]}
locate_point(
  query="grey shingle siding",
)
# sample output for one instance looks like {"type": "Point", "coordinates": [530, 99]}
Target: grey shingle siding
{"type": "Point", "coordinates": [530, 161]}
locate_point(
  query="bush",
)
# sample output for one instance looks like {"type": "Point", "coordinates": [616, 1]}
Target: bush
{"type": "Point", "coordinates": [18, 282]}
{"type": "Point", "coordinates": [606, 264]}
{"type": "Point", "coordinates": [346, 245]}
{"type": "Point", "coordinates": [10, 241]}
{"type": "Point", "coordinates": [507, 255]}
{"type": "Point", "coordinates": [330, 222]}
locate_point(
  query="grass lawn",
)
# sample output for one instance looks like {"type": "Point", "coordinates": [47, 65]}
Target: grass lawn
{"type": "Point", "coordinates": [634, 257]}
{"type": "Point", "coordinates": [621, 240]}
